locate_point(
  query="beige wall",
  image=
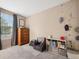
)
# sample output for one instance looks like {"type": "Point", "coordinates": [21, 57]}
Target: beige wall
{"type": "Point", "coordinates": [78, 10]}
{"type": "Point", "coordinates": [46, 23]}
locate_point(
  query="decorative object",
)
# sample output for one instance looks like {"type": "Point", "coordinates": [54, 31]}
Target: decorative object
{"type": "Point", "coordinates": [77, 37]}
{"type": "Point", "coordinates": [61, 19]}
{"type": "Point", "coordinates": [77, 29]}
{"type": "Point", "coordinates": [66, 27]}
{"type": "Point", "coordinates": [21, 23]}
{"type": "Point", "coordinates": [62, 38]}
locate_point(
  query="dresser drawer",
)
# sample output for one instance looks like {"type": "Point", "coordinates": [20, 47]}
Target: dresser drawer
{"type": "Point", "coordinates": [24, 36]}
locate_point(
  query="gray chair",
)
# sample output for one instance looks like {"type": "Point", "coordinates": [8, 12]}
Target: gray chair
{"type": "Point", "coordinates": [41, 46]}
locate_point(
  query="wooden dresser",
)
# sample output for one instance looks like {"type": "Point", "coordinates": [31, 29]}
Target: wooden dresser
{"type": "Point", "coordinates": [23, 36]}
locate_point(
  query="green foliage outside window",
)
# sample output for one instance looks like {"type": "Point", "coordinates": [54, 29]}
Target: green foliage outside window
{"type": "Point", "coordinates": [5, 29]}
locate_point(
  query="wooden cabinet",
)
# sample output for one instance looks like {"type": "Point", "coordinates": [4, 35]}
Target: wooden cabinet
{"type": "Point", "coordinates": [23, 36]}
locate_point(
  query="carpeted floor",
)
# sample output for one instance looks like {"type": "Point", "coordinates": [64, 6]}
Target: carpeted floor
{"type": "Point", "coordinates": [27, 52]}
{"type": "Point", "coordinates": [73, 54]}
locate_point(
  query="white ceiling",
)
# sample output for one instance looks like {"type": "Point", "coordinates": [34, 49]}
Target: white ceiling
{"type": "Point", "coordinates": [29, 7]}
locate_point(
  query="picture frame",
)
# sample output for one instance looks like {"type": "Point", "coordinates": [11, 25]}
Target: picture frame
{"type": "Point", "coordinates": [21, 23]}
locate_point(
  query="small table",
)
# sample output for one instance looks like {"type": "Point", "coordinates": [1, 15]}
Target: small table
{"type": "Point", "coordinates": [60, 45]}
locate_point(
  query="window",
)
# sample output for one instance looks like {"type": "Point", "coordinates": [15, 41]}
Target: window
{"type": "Point", "coordinates": [6, 25]}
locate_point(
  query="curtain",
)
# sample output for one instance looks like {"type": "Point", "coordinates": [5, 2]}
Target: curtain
{"type": "Point", "coordinates": [0, 32]}
{"type": "Point", "coordinates": [14, 38]}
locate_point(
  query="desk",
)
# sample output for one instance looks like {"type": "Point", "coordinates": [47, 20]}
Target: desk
{"type": "Point", "coordinates": [60, 45]}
